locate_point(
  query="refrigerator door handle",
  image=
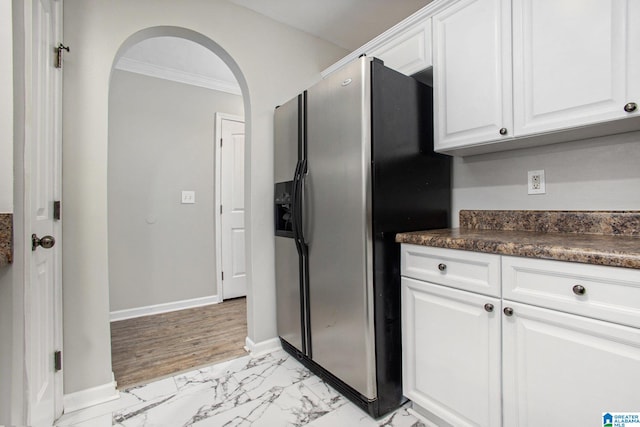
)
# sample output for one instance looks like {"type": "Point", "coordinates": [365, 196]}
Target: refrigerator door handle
{"type": "Point", "coordinates": [295, 207]}
{"type": "Point", "coordinates": [299, 209]}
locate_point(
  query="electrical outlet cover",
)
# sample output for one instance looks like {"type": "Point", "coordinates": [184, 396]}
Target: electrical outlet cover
{"type": "Point", "coordinates": [535, 182]}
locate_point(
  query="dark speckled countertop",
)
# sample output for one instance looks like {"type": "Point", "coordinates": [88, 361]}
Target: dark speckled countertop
{"type": "Point", "coordinates": [594, 237]}
{"type": "Point", "coordinates": [6, 239]}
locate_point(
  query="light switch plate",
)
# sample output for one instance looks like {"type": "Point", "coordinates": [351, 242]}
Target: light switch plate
{"type": "Point", "coordinates": [188, 197]}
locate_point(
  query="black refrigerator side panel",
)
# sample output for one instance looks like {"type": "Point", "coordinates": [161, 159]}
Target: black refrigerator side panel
{"type": "Point", "coordinates": [411, 183]}
{"type": "Point", "coordinates": [411, 191]}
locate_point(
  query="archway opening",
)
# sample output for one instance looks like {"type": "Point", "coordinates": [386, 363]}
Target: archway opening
{"type": "Point", "coordinates": [167, 87]}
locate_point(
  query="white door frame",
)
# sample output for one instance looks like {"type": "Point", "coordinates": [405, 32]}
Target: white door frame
{"type": "Point", "coordinates": [218, 194]}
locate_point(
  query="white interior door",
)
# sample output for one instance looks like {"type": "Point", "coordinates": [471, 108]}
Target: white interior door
{"type": "Point", "coordinates": [43, 302]}
{"type": "Point", "coordinates": [232, 231]}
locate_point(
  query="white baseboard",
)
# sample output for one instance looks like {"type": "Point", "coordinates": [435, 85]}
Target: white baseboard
{"type": "Point", "coordinates": [130, 313]}
{"type": "Point", "coordinates": [426, 417]}
{"type": "Point", "coordinates": [90, 397]}
{"type": "Point", "coordinates": [262, 347]}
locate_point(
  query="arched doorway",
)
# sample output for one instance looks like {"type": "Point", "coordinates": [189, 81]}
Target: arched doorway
{"type": "Point", "coordinates": [161, 182]}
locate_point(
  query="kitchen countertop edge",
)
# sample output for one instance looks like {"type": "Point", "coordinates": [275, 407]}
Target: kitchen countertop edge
{"type": "Point", "coordinates": [6, 239]}
{"type": "Point", "coordinates": [607, 250]}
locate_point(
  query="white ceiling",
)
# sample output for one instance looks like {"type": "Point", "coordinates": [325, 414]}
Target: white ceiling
{"type": "Point", "coordinates": [346, 23]}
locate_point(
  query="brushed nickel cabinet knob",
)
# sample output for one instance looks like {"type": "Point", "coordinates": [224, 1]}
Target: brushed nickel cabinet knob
{"type": "Point", "coordinates": [579, 290]}
{"type": "Point", "coordinates": [630, 107]}
{"type": "Point", "coordinates": [503, 131]}
{"type": "Point", "coordinates": [508, 311]}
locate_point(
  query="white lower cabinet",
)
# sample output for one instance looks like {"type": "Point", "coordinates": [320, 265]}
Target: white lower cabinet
{"type": "Point", "coordinates": [560, 369]}
{"type": "Point", "coordinates": [451, 343]}
{"type": "Point", "coordinates": [560, 347]}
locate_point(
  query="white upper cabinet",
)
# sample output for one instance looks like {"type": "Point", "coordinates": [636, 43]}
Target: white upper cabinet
{"type": "Point", "coordinates": [575, 62]}
{"type": "Point", "coordinates": [409, 51]}
{"type": "Point", "coordinates": [472, 73]}
{"type": "Point", "coordinates": [553, 71]}
{"type": "Point", "coordinates": [406, 47]}
{"type": "Point", "coordinates": [517, 73]}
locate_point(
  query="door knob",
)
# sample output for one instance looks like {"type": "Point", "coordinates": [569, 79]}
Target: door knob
{"type": "Point", "coordinates": [47, 242]}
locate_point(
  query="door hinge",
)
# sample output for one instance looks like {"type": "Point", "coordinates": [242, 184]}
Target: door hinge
{"type": "Point", "coordinates": [57, 215]}
{"type": "Point", "coordinates": [57, 360]}
{"type": "Point", "coordinates": [223, 276]}
{"type": "Point", "coordinates": [59, 50]}
{"type": "Point", "coordinates": [220, 142]}
{"type": "Point", "coordinates": [220, 209]}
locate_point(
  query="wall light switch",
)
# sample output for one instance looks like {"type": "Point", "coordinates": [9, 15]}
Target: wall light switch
{"type": "Point", "coordinates": [188, 197]}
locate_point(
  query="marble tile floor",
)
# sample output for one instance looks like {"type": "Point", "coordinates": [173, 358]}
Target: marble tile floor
{"type": "Point", "coordinates": [270, 390]}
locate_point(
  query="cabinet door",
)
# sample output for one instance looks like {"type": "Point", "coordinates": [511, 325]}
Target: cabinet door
{"type": "Point", "coordinates": [576, 62]}
{"type": "Point", "coordinates": [472, 73]}
{"type": "Point", "coordinates": [408, 52]}
{"type": "Point", "coordinates": [565, 370]}
{"type": "Point", "coordinates": [451, 353]}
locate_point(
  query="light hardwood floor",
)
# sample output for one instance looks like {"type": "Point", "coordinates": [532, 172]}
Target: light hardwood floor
{"type": "Point", "coordinates": [151, 347]}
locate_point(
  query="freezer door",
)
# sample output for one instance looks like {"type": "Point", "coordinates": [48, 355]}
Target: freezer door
{"type": "Point", "coordinates": [287, 139]}
{"type": "Point", "coordinates": [288, 301]}
{"type": "Point", "coordinates": [289, 261]}
{"type": "Point", "coordinates": [337, 208]}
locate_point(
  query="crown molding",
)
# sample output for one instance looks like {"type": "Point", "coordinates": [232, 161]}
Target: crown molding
{"type": "Point", "coordinates": [166, 73]}
{"type": "Point", "coordinates": [412, 20]}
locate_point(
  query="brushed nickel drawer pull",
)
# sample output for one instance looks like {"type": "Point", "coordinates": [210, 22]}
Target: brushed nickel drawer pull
{"type": "Point", "coordinates": [579, 290]}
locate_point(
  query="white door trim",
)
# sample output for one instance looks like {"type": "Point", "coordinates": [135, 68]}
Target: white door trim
{"type": "Point", "coordinates": [218, 194]}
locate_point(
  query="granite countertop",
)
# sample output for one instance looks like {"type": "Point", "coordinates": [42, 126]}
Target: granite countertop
{"type": "Point", "coordinates": [609, 238]}
{"type": "Point", "coordinates": [6, 239]}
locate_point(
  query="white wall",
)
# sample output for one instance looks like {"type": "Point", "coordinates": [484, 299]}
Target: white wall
{"type": "Point", "coordinates": [6, 334]}
{"type": "Point", "coordinates": [6, 109]}
{"type": "Point", "coordinates": [596, 174]}
{"type": "Point", "coordinates": [6, 200]}
{"type": "Point", "coordinates": [272, 62]}
{"type": "Point", "coordinates": [12, 296]}
{"type": "Point", "coordinates": [161, 141]}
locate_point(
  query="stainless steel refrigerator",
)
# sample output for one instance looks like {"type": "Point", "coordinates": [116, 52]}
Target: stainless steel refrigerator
{"type": "Point", "coordinates": [354, 165]}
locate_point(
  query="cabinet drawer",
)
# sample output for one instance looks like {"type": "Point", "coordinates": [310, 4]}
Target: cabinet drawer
{"type": "Point", "coordinates": [606, 293]}
{"type": "Point", "coordinates": [469, 271]}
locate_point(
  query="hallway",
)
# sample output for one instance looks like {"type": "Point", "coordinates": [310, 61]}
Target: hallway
{"type": "Point", "coordinates": [146, 348]}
